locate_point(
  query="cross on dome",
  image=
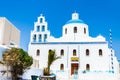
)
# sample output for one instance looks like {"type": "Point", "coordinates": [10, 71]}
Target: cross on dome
{"type": "Point", "coordinates": [41, 14]}
{"type": "Point", "coordinates": [75, 15]}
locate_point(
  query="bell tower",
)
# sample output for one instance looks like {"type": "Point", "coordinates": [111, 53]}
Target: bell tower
{"type": "Point", "coordinates": [40, 32]}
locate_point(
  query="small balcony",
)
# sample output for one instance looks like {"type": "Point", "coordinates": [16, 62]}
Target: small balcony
{"type": "Point", "coordinates": [74, 58]}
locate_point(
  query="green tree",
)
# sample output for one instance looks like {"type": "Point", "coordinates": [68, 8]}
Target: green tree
{"type": "Point", "coordinates": [18, 60]}
{"type": "Point", "coordinates": [51, 58]}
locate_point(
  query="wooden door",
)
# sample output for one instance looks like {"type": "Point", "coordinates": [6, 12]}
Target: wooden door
{"type": "Point", "coordinates": [74, 68]}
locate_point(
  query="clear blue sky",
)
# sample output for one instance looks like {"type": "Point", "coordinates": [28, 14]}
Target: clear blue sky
{"type": "Point", "coordinates": [100, 15]}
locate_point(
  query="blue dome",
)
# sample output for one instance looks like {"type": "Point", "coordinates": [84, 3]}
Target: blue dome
{"type": "Point", "coordinates": [75, 21]}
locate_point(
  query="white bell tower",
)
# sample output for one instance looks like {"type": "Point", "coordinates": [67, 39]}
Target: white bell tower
{"type": "Point", "coordinates": [40, 32]}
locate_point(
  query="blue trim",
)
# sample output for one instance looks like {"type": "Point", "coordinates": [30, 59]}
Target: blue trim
{"type": "Point", "coordinates": [75, 21]}
{"type": "Point", "coordinates": [69, 43]}
{"type": "Point", "coordinates": [98, 71]}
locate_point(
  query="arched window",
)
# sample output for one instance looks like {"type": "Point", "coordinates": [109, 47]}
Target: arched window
{"type": "Point", "coordinates": [87, 67]}
{"type": "Point", "coordinates": [74, 52]}
{"type": "Point", "coordinates": [37, 52]}
{"type": "Point", "coordinates": [38, 28]}
{"type": "Point", "coordinates": [87, 52]}
{"type": "Point", "coordinates": [43, 28]}
{"type": "Point", "coordinates": [40, 38]}
{"type": "Point", "coordinates": [100, 52]}
{"type": "Point", "coordinates": [75, 29]}
{"type": "Point", "coordinates": [61, 66]}
{"type": "Point", "coordinates": [84, 30]}
{"type": "Point", "coordinates": [45, 37]}
{"type": "Point", "coordinates": [66, 31]}
{"type": "Point", "coordinates": [41, 20]}
{"type": "Point", "coordinates": [34, 38]}
{"type": "Point", "coordinates": [62, 52]}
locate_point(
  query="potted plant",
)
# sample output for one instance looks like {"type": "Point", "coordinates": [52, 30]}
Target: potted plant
{"type": "Point", "coordinates": [51, 58]}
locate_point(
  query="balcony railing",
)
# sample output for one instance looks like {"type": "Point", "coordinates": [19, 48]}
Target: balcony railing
{"type": "Point", "coordinates": [74, 58]}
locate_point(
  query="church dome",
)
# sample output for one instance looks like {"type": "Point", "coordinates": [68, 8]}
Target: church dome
{"type": "Point", "coordinates": [75, 21]}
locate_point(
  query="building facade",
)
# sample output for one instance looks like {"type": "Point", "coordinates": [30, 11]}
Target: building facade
{"type": "Point", "coordinates": [82, 56]}
{"type": "Point", "coordinates": [9, 34]}
{"type": "Point", "coordinates": [9, 37]}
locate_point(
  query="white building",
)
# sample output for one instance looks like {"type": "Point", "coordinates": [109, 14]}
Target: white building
{"type": "Point", "coordinates": [9, 34]}
{"type": "Point", "coordinates": [9, 37]}
{"type": "Point", "coordinates": [82, 56]}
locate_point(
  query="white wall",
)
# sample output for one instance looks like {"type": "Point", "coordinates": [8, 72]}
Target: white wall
{"type": "Point", "coordinates": [9, 33]}
{"type": "Point", "coordinates": [79, 41]}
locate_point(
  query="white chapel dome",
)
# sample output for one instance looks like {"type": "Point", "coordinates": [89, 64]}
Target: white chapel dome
{"type": "Point", "coordinates": [75, 19]}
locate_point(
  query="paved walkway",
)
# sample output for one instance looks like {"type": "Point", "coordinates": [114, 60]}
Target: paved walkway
{"type": "Point", "coordinates": [74, 77]}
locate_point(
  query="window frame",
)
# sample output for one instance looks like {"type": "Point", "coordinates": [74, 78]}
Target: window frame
{"type": "Point", "coordinates": [40, 37]}
{"type": "Point", "coordinates": [43, 28]}
{"type": "Point", "coordinates": [88, 67]}
{"type": "Point", "coordinates": [100, 52]}
{"type": "Point", "coordinates": [37, 52]}
{"type": "Point", "coordinates": [74, 52]}
{"type": "Point", "coordinates": [84, 30]}
{"type": "Point", "coordinates": [38, 28]}
{"type": "Point", "coordinates": [62, 52]}
{"type": "Point", "coordinates": [61, 66]}
{"type": "Point", "coordinates": [65, 30]}
{"type": "Point", "coordinates": [34, 37]}
{"type": "Point", "coordinates": [87, 52]}
{"type": "Point", "coordinates": [75, 29]}
{"type": "Point", "coordinates": [41, 20]}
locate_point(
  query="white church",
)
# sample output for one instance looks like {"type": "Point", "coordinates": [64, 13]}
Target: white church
{"type": "Point", "coordinates": [82, 57]}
